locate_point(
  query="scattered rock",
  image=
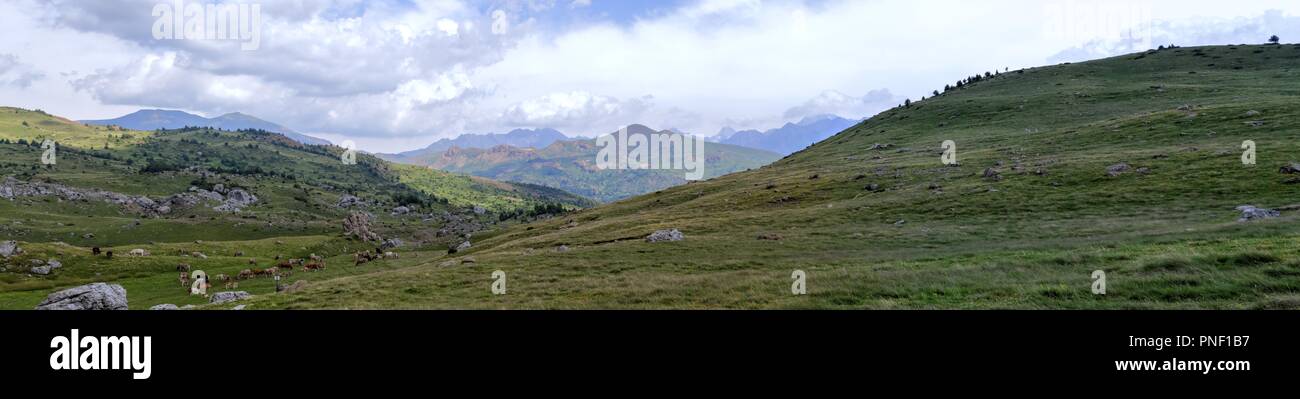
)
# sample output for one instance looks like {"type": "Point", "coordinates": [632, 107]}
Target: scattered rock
{"type": "Point", "coordinates": [468, 260]}
{"type": "Point", "coordinates": [900, 222]}
{"type": "Point", "coordinates": [349, 201]}
{"type": "Point", "coordinates": [464, 246]}
{"type": "Point", "coordinates": [1117, 169]}
{"type": "Point", "coordinates": [1252, 113]}
{"type": "Point", "coordinates": [391, 243]}
{"type": "Point", "coordinates": [873, 187]}
{"type": "Point", "coordinates": [88, 236]}
{"type": "Point", "coordinates": [165, 306]}
{"type": "Point", "coordinates": [96, 296]}
{"type": "Point", "coordinates": [665, 235]}
{"type": "Point", "coordinates": [992, 174]}
{"type": "Point", "coordinates": [562, 248]}
{"type": "Point", "coordinates": [41, 270]}
{"type": "Point", "coordinates": [1288, 169]}
{"type": "Point", "coordinates": [1143, 171]}
{"type": "Point", "coordinates": [1255, 123]}
{"type": "Point", "coordinates": [358, 225]}
{"type": "Point", "coordinates": [9, 248]}
{"type": "Point", "coordinates": [1249, 213]}
{"type": "Point", "coordinates": [239, 307]}
{"type": "Point", "coordinates": [228, 296]}
{"type": "Point", "coordinates": [478, 210]}
{"type": "Point", "coordinates": [236, 200]}
{"type": "Point", "coordinates": [401, 210]}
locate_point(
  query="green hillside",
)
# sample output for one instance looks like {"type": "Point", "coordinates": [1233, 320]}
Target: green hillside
{"type": "Point", "coordinates": [28, 125]}
{"type": "Point", "coordinates": [1023, 222]}
{"type": "Point", "coordinates": [154, 191]}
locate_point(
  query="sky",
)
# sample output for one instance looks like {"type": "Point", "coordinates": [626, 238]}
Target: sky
{"type": "Point", "coordinates": [396, 75]}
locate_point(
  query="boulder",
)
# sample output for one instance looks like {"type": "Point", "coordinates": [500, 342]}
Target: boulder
{"type": "Point", "coordinates": [358, 225]}
{"type": "Point", "coordinates": [228, 296]}
{"type": "Point", "coordinates": [295, 287]}
{"type": "Point", "coordinates": [165, 306]}
{"type": "Point", "coordinates": [1291, 168]}
{"type": "Point", "coordinates": [349, 201]}
{"type": "Point", "coordinates": [391, 243]}
{"type": "Point", "coordinates": [401, 210]}
{"type": "Point", "coordinates": [1117, 169]}
{"type": "Point", "coordinates": [478, 210]}
{"type": "Point", "coordinates": [1249, 213]}
{"type": "Point", "coordinates": [41, 270]}
{"type": "Point", "coordinates": [665, 235]}
{"type": "Point", "coordinates": [97, 296]}
{"type": "Point", "coordinates": [54, 263]}
{"type": "Point", "coordinates": [9, 248]}
{"type": "Point", "coordinates": [464, 246]}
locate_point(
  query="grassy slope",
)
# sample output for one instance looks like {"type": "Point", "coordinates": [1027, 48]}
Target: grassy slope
{"type": "Point", "coordinates": [298, 187]}
{"type": "Point", "coordinates": [40, 126]}
{"type": "Point", "coordinates": [1168, 239]}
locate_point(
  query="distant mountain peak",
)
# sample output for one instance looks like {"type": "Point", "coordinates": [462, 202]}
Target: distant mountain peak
{"type": "Point", "coordinates": [154, 119]}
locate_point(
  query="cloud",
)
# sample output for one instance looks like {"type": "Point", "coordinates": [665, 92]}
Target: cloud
{"type": "Point", "coordinates": [1197, 32]}
{"type": "Point", "coordinates": [389, 73]}
{"type": "Point", "coordinates": [14, 73]}
{"type": "Point", "coordinates": [835, 103]}
{"type": "Point", "coordinates": [576, 110]}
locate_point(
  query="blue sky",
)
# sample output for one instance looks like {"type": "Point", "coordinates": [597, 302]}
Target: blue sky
{"type": "Point", "coordinates": [400, 74]}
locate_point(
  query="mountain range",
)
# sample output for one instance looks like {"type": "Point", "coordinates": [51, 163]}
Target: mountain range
{"type": "Point", "coordinates": [154, 119]}
{"type": "Point", "coordinates": [534, 138]}
{"type": "Point", "coordinates": [569, 165]}
{"type": "Point", "coordinates": [788, 138]}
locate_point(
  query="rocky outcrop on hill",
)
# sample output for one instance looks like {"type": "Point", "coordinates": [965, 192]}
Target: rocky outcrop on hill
{"type": "Point", "coordinates": [97, 296]}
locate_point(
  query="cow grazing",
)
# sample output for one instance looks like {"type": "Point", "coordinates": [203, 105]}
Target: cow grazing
{"type": "Point", "coordinates": [313, 266]}
{"type": "Point", "coordinates": [139, 252]}
{"type": "Point", "coordinates": [252, 262]}
{"type": "Point", "coordinates": [95, 251]}
{"type": "Point", "coordinates": [183, 267]}
{"type": "Point", "coordinates": [245, 274]}
{"type": "Point", "coordinates": [109, 254]}
{"type": "Point", "coordinates": [184, 279]}
{"type": "Point", "coordinates": [390, 255]}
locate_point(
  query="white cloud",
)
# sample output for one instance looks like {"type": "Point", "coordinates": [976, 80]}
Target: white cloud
{"type": "Point", "coordinates": [836, 103]}
{"type": "Point", "coordinates": [391, 73]}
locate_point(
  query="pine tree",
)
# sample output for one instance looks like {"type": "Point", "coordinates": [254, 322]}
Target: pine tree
{"type": "Point", "coordinates": [1274, 39]}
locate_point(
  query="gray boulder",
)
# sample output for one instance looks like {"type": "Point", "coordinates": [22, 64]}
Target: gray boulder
{"type": "Point", "coordinates": [464, 246]}
{"type": "Point", "coordinates": [97, 296]}
{"type": "Point", "coordinates": [665, 235]}
{"type": "Point", "coordinates": [54, 263]}
{"type": "Point", "coordinates": [1117, 169]}
{"type": "Point", "coordinates": [165, 306]}
{"type": "Point", "coordinates": [1249, 213]}
{"type": "Point", "coordinates": [41, 270]}
{"type": "Point", "coordinates": [228, 296]}
{"type": "Point", "coordinates": [9, 248]}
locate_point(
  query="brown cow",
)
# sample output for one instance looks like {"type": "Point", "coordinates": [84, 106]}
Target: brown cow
{"type": "Point", "coordinates": [245, 274]}
{"type": "Point", "coordinates": [184, 279]}
{"type": "Point", "coordinates": [313, 266]}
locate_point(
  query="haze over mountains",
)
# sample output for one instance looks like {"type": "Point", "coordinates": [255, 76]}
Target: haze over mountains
{"type": "Point", "coordinates": [789, 138]}
{"type": "Point", "coordinates": [570, 165]}
{"type": "Point", "coordinates": [529, 138]}
{"type": "Point", "coordinates": [154, 119]}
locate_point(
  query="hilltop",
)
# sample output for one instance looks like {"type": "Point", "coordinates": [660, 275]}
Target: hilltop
{"type": "Point", "coordinates": [155, 119]}
{"type": "Point", "coordinates": [1038, 202]}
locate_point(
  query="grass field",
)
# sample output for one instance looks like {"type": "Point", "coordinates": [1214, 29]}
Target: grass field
{"type": "Point", "coordinates": [886, 228]}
